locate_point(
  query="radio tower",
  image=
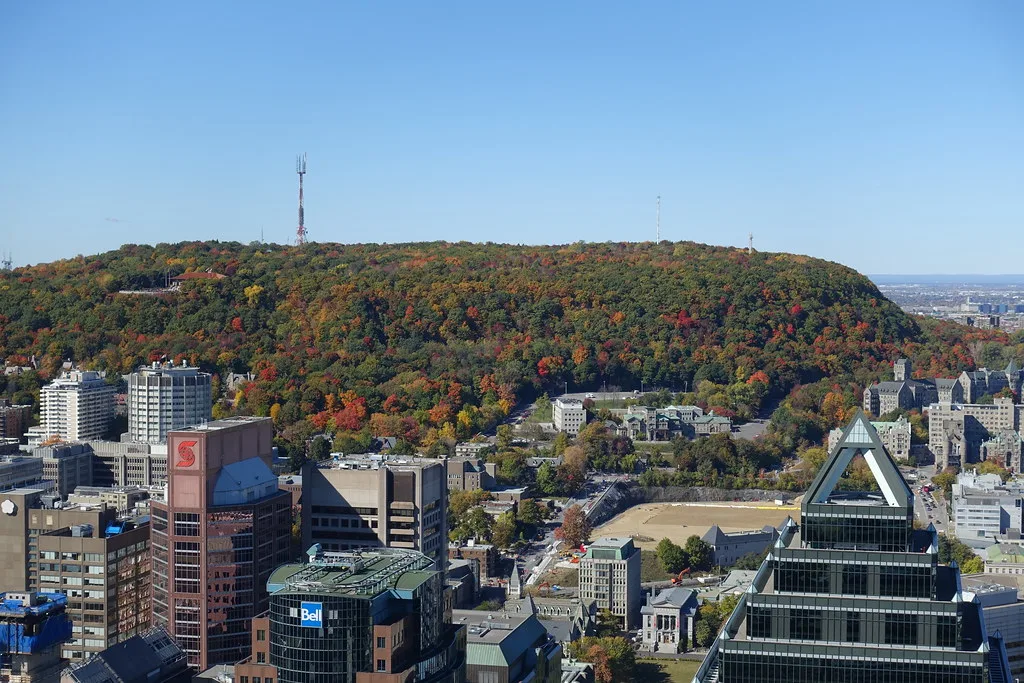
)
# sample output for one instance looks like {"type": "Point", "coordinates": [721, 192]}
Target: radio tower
{"type": "Point", "coordinates": [300, 168]}
{"type": "Point", "coordinates": [657, 220]}
{"type": "Point", "coordinates": [750, 243]}
{"type": "Point", "coordinates": [6, 263]}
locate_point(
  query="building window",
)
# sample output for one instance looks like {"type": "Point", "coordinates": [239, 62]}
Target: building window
{"type": "Point", "coordinates": [946, 632]}
{"type": "Point", "coordinates": [805, 624]}
{"type": "Point", "coordinates": [853, 627]}
{"type": "Point", "coordinates": [901, 629]}
{"type": "Point", "coordinates": [261, 635]}
{"type": "Point", "coordinates": [382, 642]}
{"type": "Point", "coordinates": [855, 580]}
{"type": "Point", "coordinates": [382, 665]}
{"type": "Point", "coordinates": [261, 657]}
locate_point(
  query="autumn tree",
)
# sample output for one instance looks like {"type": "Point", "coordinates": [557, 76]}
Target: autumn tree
{"type": "Point", "coordinates": [700, 554]}
{"type": "Point", "coordinates": [575, 529]}
{"type": "Point", "coordinates": [672, 558]}
{"type": "Point", "coordinates": [503, 531]}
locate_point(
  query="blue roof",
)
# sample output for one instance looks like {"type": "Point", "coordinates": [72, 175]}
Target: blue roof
{"type": "Point", "coordinates": [244, 482]}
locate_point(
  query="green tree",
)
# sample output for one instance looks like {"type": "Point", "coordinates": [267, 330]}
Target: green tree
{"type": "Point", "coordinates": [560, 443]}
{"type": "Point", "coordinates": [704, 634]}
{"type": "Point", "coordinates": [575, 529]}
{"type": "Point", "coordinates": [973, 565]}
{"type": "Point", "coordinates": [547, 480]}
{"type": "Point", "coordinates": [608, 624]}
{"type": "Point", "coordinates": [945, 480]}
{"type": "Point", "coordinates": [504, 437]}
{"type": "Point", "coordinates": [529, 512]}
{"type": "Point", "coordinates": [671, 557]}
{"type": "Point", "coordinates": [952, 549]}
{"type": "Point", "coordinates": [319, 449]}
{"type": "Point", "coordinates": [503, 531]}
{"type": "Point", "coordinates": [700, 553]}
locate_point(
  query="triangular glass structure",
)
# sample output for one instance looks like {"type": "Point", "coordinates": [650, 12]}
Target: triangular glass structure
{"type": "Point", "coordinates": [860, 438]}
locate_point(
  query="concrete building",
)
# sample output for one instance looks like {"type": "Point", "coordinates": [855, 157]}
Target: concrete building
{"type": "Point", "coordinates": [473, 449]}
{"type": "Point", "coordinates": [14, 419]}
{"type": "Point", "coordinates": [128, 464]}
{"type": "Point", "coordinates": [166, 397]}
{"type": "Point", "coordinates": [150, 657]}
{"type": "Point", "coordinates": [68, 465]}
{"type": "Point", "coordinates": [895, 437]}
{"type": "Point", "coordinates": [667, 620]}
{"type": "Point", "coordinates": [222, 530]}
{"type": "Point", "coordinates": [471, 473]}
{"type": "Point", "coordinates": [610, 577]}
{"type": "Point", "coordinates": [727, 549]}
{"type": "Point", "coordinates": [642, 423]}
{"type": "Point", "coordinates": [376, 501]}
{"type": "Point", "coordinates": [568, 415]}
{"type": "Point", "coordinates": [124, 499]}
{"type": "Point", "coordinates": [956, 431]}
{"type": "Point", "coordinates": [854, 592]}
{"type": "Point", "coordinates": [1004, 613]}
{"type": "Point", "coordinates": [17, 471]}
{"type": "Point", "coordinates": [1005, 559]}
{"type": "Point", "coordinates": [366, 617]}
{"type": "Point", "coordinates": [484, 554]}
{"type": "Point", "coordinates": [984, 508]}
{"type": "Point", "coordinates": [98, 559]}
{"type": "Point", "coordinates": [508, 648]}
{"type": "Point", "coordinates": [907, 393]}
{"type": "Point", "coordinates": [77, 406]}
{"type": "Point", "coordinates": [32, 628]}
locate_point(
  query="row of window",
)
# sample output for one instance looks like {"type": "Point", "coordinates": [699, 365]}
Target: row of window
{"type": "Point", "coordinates": [898, 628]}
{"type": "Point", "coordinates": [775, 669]}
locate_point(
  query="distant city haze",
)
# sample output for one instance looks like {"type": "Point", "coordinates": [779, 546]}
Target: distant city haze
{"type": "Point", "coordinates": [885, 136]}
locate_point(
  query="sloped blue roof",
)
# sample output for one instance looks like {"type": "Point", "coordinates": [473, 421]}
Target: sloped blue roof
{"type": "Point", "coordinates": [243, 482]}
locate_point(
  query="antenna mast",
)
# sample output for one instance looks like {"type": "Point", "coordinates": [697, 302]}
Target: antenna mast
{"type": "Point", "coordinates": [7, 262]}
{"type": "Point", "coordinates": [750, 243]}
{"type": "Point", "coordinates": [658, 219]}
{"type": "Point", "coordinates": [300, 168]}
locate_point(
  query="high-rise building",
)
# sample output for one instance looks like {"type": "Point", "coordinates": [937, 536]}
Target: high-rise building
{"type": "Point", "coordinates": [165, 397]}
{"type": "Point", "coordinates": [99, 559]}
{"type": "Point", "coordinates": [610, 577]}
{"type": "Point", "coordinates": [14, 419]}
{"type": "Point", "coordinates": [365, 617]}
{"type": "Point", "coordinates": [76, 406]}
{"type": "Point", "coordinates": [376, 501]}
{"type": "Point", "coordinates": [223, 528]}
{"type": "Point", "coordinates": [855, 593]}
{"type": "Point", "coordinates": [124, 463]}
{"type": "Point", "coordinates": [32, 628]}
{"type": "Point", "coordinates": [68, 465]}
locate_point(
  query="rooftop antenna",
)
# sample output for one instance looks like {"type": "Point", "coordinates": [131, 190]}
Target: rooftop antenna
{"type": "Point", "coordinates": [657, 221]}
{"type": "Point", "coordinates": [750, 243]}
{"type": "Point", "coordinates": [300, 168]}
{"type": "Point", "coordinates": [7, 262]}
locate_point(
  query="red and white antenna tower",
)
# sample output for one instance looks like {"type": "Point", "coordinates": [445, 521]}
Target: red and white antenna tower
{"type": "Point", "coordinates": [300, 168]}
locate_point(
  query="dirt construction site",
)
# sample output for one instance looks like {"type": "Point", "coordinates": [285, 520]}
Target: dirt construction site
{"type": "Point", "coordinates": [679, 521]}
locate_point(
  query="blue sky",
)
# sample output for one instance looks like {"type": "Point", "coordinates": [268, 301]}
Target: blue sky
{"type": "Point", "coordinates": [887, 136]}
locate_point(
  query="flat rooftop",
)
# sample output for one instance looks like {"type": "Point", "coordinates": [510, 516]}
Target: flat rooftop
{"type": "Point", "coordinates": [226, 423]}
{"type": "Point", "coordinates": [354, 573]}
{"type": "Point", "coordinates": [488, 627]}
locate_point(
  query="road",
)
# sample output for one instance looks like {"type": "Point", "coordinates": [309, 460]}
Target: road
{"type": "Point", "coordinates": [751, 430]}
{"type": "Point", "coordinates": [927, 508]}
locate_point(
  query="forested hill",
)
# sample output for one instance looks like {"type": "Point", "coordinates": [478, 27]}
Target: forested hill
{"type": "Point", "coordinates": [403, 338]}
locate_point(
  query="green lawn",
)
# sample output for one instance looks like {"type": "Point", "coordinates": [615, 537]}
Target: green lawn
{"type": "Point", "coordinates": [666, 670]}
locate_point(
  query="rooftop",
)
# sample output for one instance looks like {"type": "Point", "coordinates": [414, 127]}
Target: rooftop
{"type": "Point", "coordinates": [225, 423]}
{"type": "Point", "coordinates": [23, 604]}
{"type": "Point", "coordinates": [354, 573]}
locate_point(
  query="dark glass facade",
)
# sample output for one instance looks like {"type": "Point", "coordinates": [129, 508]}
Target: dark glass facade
{"type": "Point", "coordinates": [853, 594]}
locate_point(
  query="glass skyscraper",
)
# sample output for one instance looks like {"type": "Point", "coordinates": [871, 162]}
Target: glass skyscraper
{"type": "Point", "coordinates": [854, 593]}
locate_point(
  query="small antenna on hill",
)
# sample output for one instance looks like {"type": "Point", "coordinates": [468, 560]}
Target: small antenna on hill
{"type": "Point", "coordinates": [657, 220]}
{"type": "Point", "coordinates": [6, 263]}
{"type": "Point", "coordinates": [750, 243]}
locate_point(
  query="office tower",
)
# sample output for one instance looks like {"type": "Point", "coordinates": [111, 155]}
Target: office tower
{"type": "Point", "coordinates": [610, 576]}
{"type": "Point", "coordinates": [376, 501]}
{"type": "Point", "coordinates": [150, 657]}
{"type": "Point", "coordinates": [68, 465]}
{"type": "Point", "coordinates": [223, 528]}
{"type": "Point", "coordinates": [125, 463]}
{"type": "Point", "coordinates": [32, 627]}
{"type": "Point", "coordinates": [165, 397]}
{"type": "Point", "coordinates": [854, 592]}
{"type": "Point", "coordinates": [77, 406]}
{"type": "Point", "coordinates": [361, 617]}
{"type": "Point", "coordinates": [99, 559]}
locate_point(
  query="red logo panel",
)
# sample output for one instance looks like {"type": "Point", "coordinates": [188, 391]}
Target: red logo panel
{"type": "Point", "coordinates": [186, 456]}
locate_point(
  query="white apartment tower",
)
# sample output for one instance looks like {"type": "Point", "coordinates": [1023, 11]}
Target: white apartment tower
{"type": "Point", "coordinates": [569, 415]}
{"type": "Point", "coordinates": [76, 406]}
{"type": "Point", "coordinates": [165, 398]}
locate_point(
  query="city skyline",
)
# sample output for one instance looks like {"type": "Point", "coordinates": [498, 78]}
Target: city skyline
{"type": "Point", "coordinates": [534, 125]}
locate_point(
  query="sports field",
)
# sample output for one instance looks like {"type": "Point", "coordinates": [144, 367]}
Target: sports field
{"type": "Point", "coordinates": [679, 521]}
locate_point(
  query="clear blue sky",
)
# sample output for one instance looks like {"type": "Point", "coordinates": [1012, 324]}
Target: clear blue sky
{"type": "Point", "coordinates": [885, 135]}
